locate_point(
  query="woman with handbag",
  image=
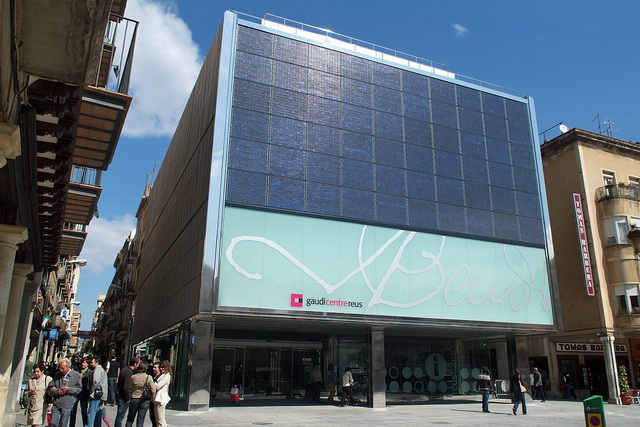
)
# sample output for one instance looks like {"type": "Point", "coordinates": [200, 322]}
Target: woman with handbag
{"type": "Point", "coordinates": [143, 390]}
{"type": "Point", "coordinates": [36, 388]}
{"type": "Point", "coordinates": [162, 393]}
{"type": "Point", "coordinates": [519, 393]}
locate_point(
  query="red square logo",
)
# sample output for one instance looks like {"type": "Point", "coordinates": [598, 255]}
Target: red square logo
{"type": "Point", "coordinates": [296, 300]}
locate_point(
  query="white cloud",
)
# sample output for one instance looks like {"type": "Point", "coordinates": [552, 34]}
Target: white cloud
{"type": "Point", "coordinates": [166, 64]}
{"type": "Point", "coordinates": [104, 240]}
{"type": "Point", "coordinates": [459, 29]}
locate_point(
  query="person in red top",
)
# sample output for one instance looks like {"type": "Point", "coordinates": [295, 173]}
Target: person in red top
{"type": "Point", "coordinates": [484, 386]}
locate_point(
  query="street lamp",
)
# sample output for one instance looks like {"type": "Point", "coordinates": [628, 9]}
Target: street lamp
{"type": "Point", "coordinates": [634, 238]}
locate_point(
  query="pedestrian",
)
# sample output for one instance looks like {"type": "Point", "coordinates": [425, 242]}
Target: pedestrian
{"type": "Point", "coordinates": [162, 398]}
{"type": "Point", "coordinates": [569, 390]}
{"type": "Point", "coordinates": [485, 387]}
{"type": "Point", "coordinates": [124, 390]}
{"type": "Point", "coordinates": [86, 375]}
{"type": "Point", "coordinates": [332, 381]}
{"type": "Point", "coordinates": [64, 389]}
{"type": "Point", "coordinates": [37, 397]}
{"type": "Point", "coordinates": [143, 390]}
{"type": "Point", "coordinates": [347, 387]}
{"type": "Point", "coordinates": [113, 372]}
{"type": "Point", "coordinates": [538, 386]}
{"type": "Point", "coordinates": [152, 412]}
{"type": "Point", "coordinates": [316, 378]}
{"type": "Point", "coordinates": [97, 393]}
{"type": "Point", "coordinates": [519, 393]}
{"type": "Point", "coordinates": [237, 379]}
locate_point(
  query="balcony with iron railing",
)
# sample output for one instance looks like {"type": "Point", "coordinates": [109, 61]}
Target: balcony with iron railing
{"type": "Point", "coordinates": [618, 191]}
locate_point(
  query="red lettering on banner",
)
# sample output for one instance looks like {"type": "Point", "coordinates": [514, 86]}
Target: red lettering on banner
{"type": "Point", "coordinates": [584, 245]}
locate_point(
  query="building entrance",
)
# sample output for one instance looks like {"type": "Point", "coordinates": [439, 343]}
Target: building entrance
{"type": "Point", "coordinates": [269, 369]}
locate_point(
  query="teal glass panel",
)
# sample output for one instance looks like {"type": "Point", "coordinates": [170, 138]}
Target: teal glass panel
{"type": "Point", "coordinates": [294, 263]}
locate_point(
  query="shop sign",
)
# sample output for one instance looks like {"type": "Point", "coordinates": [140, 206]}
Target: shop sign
{"type": "Point", "coordinates": [580, 347]}
{"type": "Point", "coordinates": [275, 261]}
{"type": "Point", "coordinates": [584, 245]}
{"type": "Point", "coordinates": [635, 348]}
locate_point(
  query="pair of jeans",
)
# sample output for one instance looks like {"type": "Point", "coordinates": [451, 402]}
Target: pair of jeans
{"type": "Point", "coordinates": [111, 395]}
{"type": "Point", "coordinates": [122, 411]}
{"type": "Point", "coordinates": [538, 391]}
{"type": "Point", "coordinates": [94, 417]}
{"type": "Point", "coordinates": [137, 411]}
{"type": "Point", "coordinates": [516, 403]}
{"type": "Point", "coordinates": [485, 401]}
{"type": "Point", "coordinates": [60, 416]}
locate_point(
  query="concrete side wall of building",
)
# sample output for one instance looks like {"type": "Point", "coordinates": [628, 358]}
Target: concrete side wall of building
{"type": "Point", "coordinates": [171, 265]}
{"type": "Point", "coordinates": [562, 180]}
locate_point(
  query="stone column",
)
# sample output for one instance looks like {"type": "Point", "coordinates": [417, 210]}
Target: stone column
{"type": "Point", "coordinates": [378, 370]}
{"type": "Point", "coordinates": [21, 351]}
{"type": "Point", "coordinates": [201, 365]}
{"type": "Point", "coordinates": [8, 345]}
{"type": "Point", "coordinates": [10, 236]}
{"type": "Point", "coordinates": [612, 368]}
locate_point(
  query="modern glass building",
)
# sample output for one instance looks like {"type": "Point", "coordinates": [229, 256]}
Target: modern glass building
{"type": "Point", "coordinates": [324, 201]}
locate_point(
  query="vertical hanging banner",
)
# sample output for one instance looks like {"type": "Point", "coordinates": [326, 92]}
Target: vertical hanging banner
{"type": "Point", "coordinates": [584, 245]}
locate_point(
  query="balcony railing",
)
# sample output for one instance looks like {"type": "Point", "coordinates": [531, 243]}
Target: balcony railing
{"type": "Point", "coordinates": [618, 191]}
{"type": "Point", "coordinates": [117, 55]}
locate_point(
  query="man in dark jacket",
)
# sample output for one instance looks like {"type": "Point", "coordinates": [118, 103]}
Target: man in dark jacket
{"type": "Point", "coordinates": [64, 389]}
{"type": "Point", "coordinates": [124, 390]}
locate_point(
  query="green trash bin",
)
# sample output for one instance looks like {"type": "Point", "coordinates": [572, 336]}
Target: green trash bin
{"type": "Point", "coordinates": [594, 411]}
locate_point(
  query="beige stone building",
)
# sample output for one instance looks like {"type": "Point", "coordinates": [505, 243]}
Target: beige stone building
{"type": "Point", "coordinates": [592, 183]}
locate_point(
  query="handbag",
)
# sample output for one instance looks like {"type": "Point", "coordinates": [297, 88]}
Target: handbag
{"type": "Point", "coordinates": [146, 391]}
{"type": "Point", "coordinates": [98, 392]}
{"type": "Point", "coordinates": [523, 389]}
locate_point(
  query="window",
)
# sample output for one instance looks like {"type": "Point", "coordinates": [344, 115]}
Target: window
{"type": "Point", "coordinates": [634, 182]}
{"type": "Point", "coordinates": [615, 230]}
{"type": "Point", "coordinates": [627, 299]}
{"type": "Point", "coordinates": [608, 178]}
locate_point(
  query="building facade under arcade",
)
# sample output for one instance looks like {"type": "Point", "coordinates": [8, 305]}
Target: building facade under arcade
{"type": "Point", "coordinates": [324, 202]}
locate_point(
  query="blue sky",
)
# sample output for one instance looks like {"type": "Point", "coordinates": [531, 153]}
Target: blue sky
{"type": "Point", "coordinates": [577, 59]}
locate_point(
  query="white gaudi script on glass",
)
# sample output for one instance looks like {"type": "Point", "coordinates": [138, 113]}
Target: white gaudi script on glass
{"type": "Point", "coordinates": [460, 286]}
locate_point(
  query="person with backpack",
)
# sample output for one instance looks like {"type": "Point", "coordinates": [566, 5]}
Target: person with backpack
{"type": "Point", "coordinates": [97, 393]}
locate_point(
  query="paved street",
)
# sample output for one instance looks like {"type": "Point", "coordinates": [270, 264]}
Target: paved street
{"type": "Point", "coordinates": [448, 412]}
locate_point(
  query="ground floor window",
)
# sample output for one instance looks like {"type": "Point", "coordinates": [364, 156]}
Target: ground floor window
{"type": "Point", "coordinates": [435, 367]}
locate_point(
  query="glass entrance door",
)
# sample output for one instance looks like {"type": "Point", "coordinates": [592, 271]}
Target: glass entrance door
{"type": "Point", "coordinates": [269, 371]}
{"type": "Point", "coordinates": [302, 364]}
{"type": "Point", "coordinates": [224, 362]}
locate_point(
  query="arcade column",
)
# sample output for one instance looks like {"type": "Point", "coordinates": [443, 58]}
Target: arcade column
{"type": "Point", "coordinates": [378, 369]}
{"type": "Point", "coordinates": [611, 367]}
{"type": "Point", "coordinates": [7, 347]}
{"type": "Point", "coordinates": [201, 343]}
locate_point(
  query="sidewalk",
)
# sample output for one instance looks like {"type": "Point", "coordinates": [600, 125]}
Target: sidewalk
{"type": "Point", "coordinates": [456, 412]}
